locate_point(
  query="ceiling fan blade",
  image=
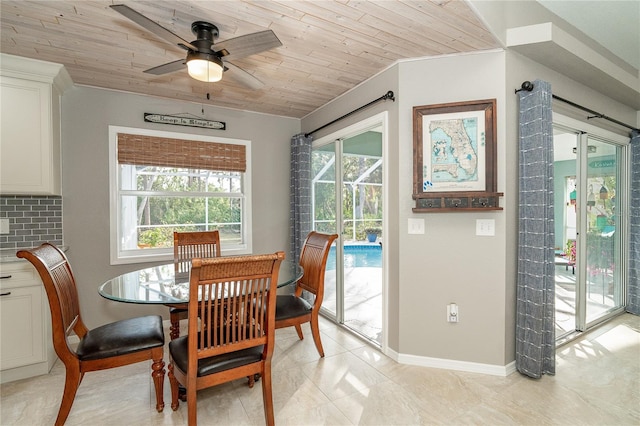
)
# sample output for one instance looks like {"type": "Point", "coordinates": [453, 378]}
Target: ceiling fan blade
{"type": "Point", "coordinates": [239, 47]}
{"type": "Point", "coordinates": [152, 26]}
{"type": "Point", "coordinates": [167, 68]}
{"type": "Point", "coordinates": [244, 77]}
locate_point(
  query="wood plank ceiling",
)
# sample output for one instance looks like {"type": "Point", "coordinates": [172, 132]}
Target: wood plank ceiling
{"type": "Point", "coordinates": [328, 46]}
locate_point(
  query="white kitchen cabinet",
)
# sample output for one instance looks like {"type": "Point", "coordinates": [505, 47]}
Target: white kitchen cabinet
{"type": "Point", "coordinates": [26, 346]}
{"type": "Point", "coordinates": [30, 91]}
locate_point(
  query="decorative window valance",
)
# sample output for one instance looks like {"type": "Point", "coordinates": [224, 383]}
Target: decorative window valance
{"type": "Point", "coordinates": [166, 152]}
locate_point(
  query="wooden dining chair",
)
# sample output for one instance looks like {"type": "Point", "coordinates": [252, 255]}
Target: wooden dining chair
{"type": "Point", "coordinates": [112, 345]}
{"type": "Point", "coordinates": [187, 246]}
{"type": "Point", "coordinates": [293, 309]}
{"type": "Point", "coordinates": [237, 296]}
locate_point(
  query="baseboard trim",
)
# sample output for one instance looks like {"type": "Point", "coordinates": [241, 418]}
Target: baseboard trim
{"type": "Point", "coordinates": [25, 371]}
{"type": "Point", "coordinates": [448, 364]}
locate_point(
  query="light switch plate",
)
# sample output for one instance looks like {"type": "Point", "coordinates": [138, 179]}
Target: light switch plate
{"type": "Point", "coordinates": [416, 226]}
{"type": "Point", "coordinates": [4, 226]}
{"type": "Point", "coordinates": [486, 227]}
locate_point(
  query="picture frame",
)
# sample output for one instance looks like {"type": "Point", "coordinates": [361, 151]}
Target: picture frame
{"type": "Point", "coordinates": [454, 156]}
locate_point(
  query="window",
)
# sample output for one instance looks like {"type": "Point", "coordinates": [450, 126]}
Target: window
{"type": "Point", "coordinates": [163, 182]}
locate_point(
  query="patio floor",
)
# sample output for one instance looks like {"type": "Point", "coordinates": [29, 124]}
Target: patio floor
{"type": "Point", "coordinates": [362, 300]}
{"type": "Point", "coordinates": [599, 298]}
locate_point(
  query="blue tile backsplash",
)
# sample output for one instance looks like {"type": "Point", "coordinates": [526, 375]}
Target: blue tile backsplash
{"type": "Point", "coordinates": [32, 220]}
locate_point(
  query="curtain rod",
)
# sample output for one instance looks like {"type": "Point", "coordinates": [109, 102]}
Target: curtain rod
{"type": "Point", "coordinates": [388, 95]}
{"type": "Point", "coordinates": [528, 86]}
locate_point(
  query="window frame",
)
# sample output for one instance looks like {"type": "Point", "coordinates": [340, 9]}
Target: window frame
{"type": "Point", "coordinates": [118, 256]}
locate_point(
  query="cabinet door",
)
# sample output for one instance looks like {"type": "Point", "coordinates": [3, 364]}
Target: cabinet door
{"type": "Point", "coordinates": [27, 156]}
{"type": "Point", "coordinates": [21, 327]}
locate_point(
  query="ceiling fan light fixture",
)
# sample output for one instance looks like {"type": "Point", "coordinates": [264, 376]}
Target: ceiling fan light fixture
{"type": "Point", "coordinates": [204, 67]}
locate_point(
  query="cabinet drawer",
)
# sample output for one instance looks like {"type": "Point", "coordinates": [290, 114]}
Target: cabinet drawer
{"type": "Point", "coordinates": [18, 274]}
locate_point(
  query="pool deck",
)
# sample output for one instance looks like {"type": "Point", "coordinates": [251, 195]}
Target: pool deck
{"type": "Point", "coordinates": [362, 301]}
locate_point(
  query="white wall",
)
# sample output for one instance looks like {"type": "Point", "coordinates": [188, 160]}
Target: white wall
{"type": "Point", "coordinates": [86, 115]}
{"type": "Point", "coordinates": [449, 263]}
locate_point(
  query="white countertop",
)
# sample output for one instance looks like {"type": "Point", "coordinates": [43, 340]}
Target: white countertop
{"type": "Point", "coordinates": [9, 255]}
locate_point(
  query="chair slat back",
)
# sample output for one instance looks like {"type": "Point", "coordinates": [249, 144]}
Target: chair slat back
{"type": "Point", "coordinates": [235, 299]}
{"type": "Point", "coordinates": [190, 245]}
{"type": "Point", "coordinates": [313, 260]}
{"type": "Point", "coordinates": [59, 283]}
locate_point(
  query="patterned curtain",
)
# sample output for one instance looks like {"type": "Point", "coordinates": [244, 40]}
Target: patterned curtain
{"type": "Point", "coordinates": [535, 309]}
{"type": "Point", "coordinates": [633, 288]}
{"type": "Point", "coordinates": [300, 193]}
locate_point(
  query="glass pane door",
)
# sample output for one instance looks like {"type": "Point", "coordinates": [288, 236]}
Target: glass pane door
{"type": "Point", "coordinates": [602, 260]}
{"type": "Point", "coordinates": [325, 212]}
{"type": "Point", "coordinates": [565, 208]}
{"type": "Point", "coordinates": [588, 174]}
{"type": "Point", "coordinates": [362, 234]}
{"type": "Point", "coordinates": [347, 181]}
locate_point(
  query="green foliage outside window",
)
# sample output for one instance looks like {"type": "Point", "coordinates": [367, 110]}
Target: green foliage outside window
{"type": "Point", "coordinates": [186, 200]}
{"type": "Point", "coordinates": [361, 193]}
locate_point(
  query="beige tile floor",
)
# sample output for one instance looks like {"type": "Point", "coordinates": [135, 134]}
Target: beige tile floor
{"type": "Point", "coordinates": [597, 383]}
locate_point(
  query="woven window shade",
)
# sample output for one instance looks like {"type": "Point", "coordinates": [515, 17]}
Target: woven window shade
{"type": "Point", "coordinates": [142, 150]}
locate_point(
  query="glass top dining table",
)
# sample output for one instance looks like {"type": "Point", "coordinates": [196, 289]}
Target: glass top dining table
{"type": "Point", "coordinates": [160, 284]}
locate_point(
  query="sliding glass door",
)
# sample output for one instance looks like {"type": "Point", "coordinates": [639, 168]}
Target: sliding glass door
{"type": "Point", "coordinates": [602, 230]}
{"type": "Point", "coordinates": [589, 175]}
{"type": "Point", "coordinates": [347, 191]}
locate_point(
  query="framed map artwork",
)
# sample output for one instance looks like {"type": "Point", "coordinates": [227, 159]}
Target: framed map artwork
{"type": "Point", "coordinates": [454, 157]}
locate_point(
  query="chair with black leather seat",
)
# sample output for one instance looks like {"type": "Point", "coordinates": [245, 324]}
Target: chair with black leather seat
{"type": "Point", "coordinates": [237, 297]}
{"type": "Point", "coordinates": [112, 345]}
{"type": "Point", "coordinates": [293, 309]}
{"type": "Point", "coordinates": [187, 246]}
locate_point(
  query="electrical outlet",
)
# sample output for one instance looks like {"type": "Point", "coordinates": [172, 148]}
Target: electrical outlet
{"type": "Point", "coordinates": [4, 226]}
{"type": "Point", "coordinates": [452, 313]}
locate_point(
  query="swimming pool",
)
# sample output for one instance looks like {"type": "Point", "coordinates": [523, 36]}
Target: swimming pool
{"type": "Point", "coordinates": [358, 256]}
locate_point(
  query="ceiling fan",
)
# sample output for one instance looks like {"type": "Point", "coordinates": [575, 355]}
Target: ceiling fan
{"type": "Point", "coordinates": [204, 60]}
